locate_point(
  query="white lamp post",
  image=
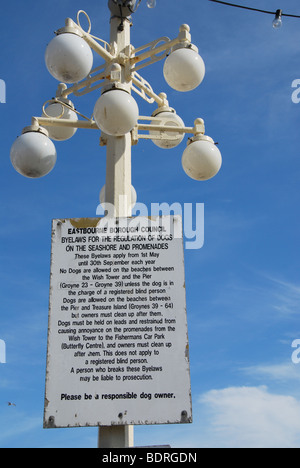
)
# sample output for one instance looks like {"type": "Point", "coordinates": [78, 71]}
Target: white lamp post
{"type": "Point", "coordinates": [69, 59]}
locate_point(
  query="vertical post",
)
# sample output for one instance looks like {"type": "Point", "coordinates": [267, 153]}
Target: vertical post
{"type": "Point", "coordinates": [118, 194]}
{"type": "Point", "coordinates": [115, 437]}
{"type": "Point", "coordinates": [118, 160]}
{"type": "Point", "coordinates": [118, 174]}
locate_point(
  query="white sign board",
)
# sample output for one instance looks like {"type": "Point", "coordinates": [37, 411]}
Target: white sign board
{"type": "Point", "coordinates": [117, 338]}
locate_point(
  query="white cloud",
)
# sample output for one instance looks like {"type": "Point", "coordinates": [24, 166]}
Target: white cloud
{"type": "Point", "coordinates": [17, 424]}
{"type": "Point", "coordinates": [251, 417]}
{"type": "Point", "coordinates": [286, 295]}
{"type": "Point", "coordinates": [280, 372]}
{"type": "Point", "coordinates": [255, 295]}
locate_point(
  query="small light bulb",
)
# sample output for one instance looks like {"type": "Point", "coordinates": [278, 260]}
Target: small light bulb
{"type": "Point", "coordinates": [277, 22]}
{"type": "Point", "coordinates": [151, 3]}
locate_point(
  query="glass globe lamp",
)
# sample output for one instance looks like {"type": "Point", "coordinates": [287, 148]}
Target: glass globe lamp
{"type": "Point", "coordinates": [184, 69]}
{"type": "Point", "coordinates": [116, 112]}
{"type": "Point", "coordinates": [201, 159]}
{"type": "Point", "coordinates": [57, 110]}
{"type": "Point", "coordinates": [69, 58]}
{"type": "Point", "coordinates": [169, 119]}
{"type": "Point", "coordinates": [33, 154]}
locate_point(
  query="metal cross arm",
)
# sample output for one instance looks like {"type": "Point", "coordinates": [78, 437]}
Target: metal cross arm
{"type": "Point", "coordinates": [183, 39]}
{"type": "Point", "coordinates": [159, 128]}
{"type": "Point", "coordinates": [130, 59]}
{"type": "Point", "coordinates": [163, 131]}
{"type": "Point", "coordinates": [69, 59]}
{"type": "Point", "coordinates": [93, 41]}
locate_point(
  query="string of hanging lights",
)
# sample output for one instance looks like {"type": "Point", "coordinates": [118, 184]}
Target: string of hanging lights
{"type": "Point", "coordinates": [277, 22]}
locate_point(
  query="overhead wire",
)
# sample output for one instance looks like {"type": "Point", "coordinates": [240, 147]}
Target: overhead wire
{"type": "Point", "coordinates": [253, 9]}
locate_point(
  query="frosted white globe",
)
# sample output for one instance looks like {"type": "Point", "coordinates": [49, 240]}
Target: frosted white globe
{"type": "Point", "coordinates": [33, 155]}
{"type": "Point", "coordinates": [116, 112]}
{"type": "Point", "coordinates": [201, 160]}
{"type": "Point", "coordinates": [60, 133]}
{"type": "Point", "coordinates": [69, 58]}
{"type": "Point", "coordinates": [184, 70]}
{"type": "Point", "coordinates": [169, 119]}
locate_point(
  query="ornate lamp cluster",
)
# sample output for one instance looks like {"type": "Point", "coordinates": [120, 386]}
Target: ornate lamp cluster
{"type": "Point", "coordinates": [69, 59]}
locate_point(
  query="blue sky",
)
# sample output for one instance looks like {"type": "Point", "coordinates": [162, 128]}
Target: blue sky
{"type": "Point", "coordinates": [243, 286]}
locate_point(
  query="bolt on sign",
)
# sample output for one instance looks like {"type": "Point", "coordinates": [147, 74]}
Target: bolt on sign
{"type": "Point", "coordinates": [118, 348]}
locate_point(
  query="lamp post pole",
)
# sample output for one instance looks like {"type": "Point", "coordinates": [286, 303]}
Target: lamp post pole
{"type": "Point", "coordinates": [69, 59]}
{"type": "Point", "coordinates": [118, 195]}
{"type": "Point", "coordinates": [118, 162]}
